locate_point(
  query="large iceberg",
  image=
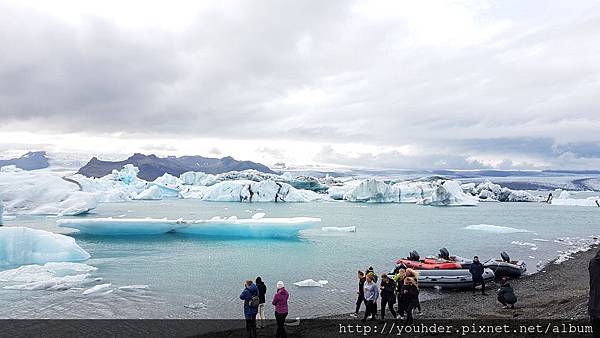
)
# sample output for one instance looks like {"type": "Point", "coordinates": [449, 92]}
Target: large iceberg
{"type": "Point", "coordinates": [487, 191]}
{"type": "Point", "coordinates": [250, 191]}
{"type": "Point", "coordinates": [20, 245]}
{"type": "Point", "coordinates": [39, 193]}
{"type": "Point", "coordinates": [219, 227]}
{"type": "Point", "coordinates": [433, 191]}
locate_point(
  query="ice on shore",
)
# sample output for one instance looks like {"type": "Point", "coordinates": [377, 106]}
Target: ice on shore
{"type": "Point", "coordinates": [20, 246]}
{"type": "Point", "coordinates": [122, 226]}
{"type": "Point", "coordinates": [50, 276]}
{"type": "Point", "coordinates": [311, 283]}
{"type": "Point", "coordinates": [495, 229]}
{"type": "Point", "coordinates": [340, 229]}
{"type": "Point", "coordinates": [220, 227]}
{"type": "Point", "coordinates": [41, 193]}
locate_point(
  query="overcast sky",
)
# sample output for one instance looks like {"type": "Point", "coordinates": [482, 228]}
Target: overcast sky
{"type": "Point", "coordinates": [394, 84]}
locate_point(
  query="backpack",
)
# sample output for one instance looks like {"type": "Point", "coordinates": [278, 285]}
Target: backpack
{"type": "Point", "coordinates": [254, 301]}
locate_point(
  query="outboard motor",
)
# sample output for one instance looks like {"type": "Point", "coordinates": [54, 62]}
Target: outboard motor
{"type": "Point", "coordinates": [414, 256]}
{"type": "Point", "coordinates": [444, 253]}
{"type": "Point", "coordinates": [505, 257]}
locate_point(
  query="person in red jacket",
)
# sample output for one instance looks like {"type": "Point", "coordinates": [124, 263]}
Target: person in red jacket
{"type": "Point", "coordinates": [280, 301]}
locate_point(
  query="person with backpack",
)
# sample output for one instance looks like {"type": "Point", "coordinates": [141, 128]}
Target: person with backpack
{"type": "Point", "coordinates": [506, 294]}
{"type": "Point", "coordinates": [360, 293]}
{"type": "Point", "coordinates": [399, 275]}
{"type": "Point", "coordinates": [476, 269]}
{"type": "Point", "coordinates": [388, 297]}
{"type": "Point", "coordinates": [262, 291]}
{"type": "Point", "coordinates": [251, 301]}
{"type": "Point", "coordinates": [280, 301]}
{"type": "Point", "coordinates": [371, 295]}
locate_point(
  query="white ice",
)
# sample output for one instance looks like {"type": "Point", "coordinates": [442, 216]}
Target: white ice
{"type": "Point", "coordinates": [122, 226]}
{"type": "Point", "coordinates": [50, 276]}
{"type": "Point", "coordinates": [42, 193]}
{"type": "Point", "coordinates": [311, 283]}
{"type": "Point", "coordinates": [221, 227]}
{"type": "Point", "coordinates": [20, 246]}
{"type": "Point", "coordinates": [340, 229]}
{"type": "Point", "coordinates": [565, 199]}
{"type": "Point", "coordinates": [97, 288]}
{"type": "Point", "coordinates": [495, 229]}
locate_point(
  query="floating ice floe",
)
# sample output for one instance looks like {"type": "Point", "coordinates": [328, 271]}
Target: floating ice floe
{"type": "Point", "coordinates": [97, 288]}
{"type": "Point", "coordinates": [122, 226]}
{"type": "Point", "coordinates": [20, 246]}
{"type": "Point", "coordinates": [220, 227]}
{"type": "Point", "coordinates": [133, 287]}
{"type": "Point", "coordinates": [523, 243]}
{"type": "Point", "coordinates": [50, 276]}
{"type": "Point", "coordinates": [487, 191]}
{"type": "Point", "coordinates": [40, 193]}
{"type": "Point", "coordinates": [565, 199]}
{"type": "Point", "coordinates": [495, 229]}
{"type": "Point", "coordinates": [340, 229]}
{"type": "Point", "coordinates": [311, 283]}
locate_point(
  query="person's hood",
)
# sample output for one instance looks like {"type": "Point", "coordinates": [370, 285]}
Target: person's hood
{"type": "Point", "coordinates": [283, 291]}
{"type": "Point", "coordinates": [253, 288]}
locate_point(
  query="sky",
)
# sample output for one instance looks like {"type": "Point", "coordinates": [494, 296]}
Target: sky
{"type": "Point", "coordinates": [367, 84]}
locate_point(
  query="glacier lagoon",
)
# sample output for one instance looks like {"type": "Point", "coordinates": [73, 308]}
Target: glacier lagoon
{"type": "Point", "coordinates": [190, 276]}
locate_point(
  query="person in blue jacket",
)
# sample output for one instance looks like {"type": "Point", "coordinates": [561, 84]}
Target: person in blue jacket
{"type": "Point", "coordinates": [476, 271]}
{"type": "Point", "coordinates": [250, 291]}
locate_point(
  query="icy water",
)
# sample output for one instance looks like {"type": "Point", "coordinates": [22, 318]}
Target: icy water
{"type": "Point", "coordinates": [196, 277]}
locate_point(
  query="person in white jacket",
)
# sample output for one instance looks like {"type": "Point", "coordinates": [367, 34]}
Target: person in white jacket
{"type": "Point", "coordinates": [371, 295]}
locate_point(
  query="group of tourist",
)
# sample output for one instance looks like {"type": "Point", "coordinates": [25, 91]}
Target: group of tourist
{"type": "Point", "coordinates": [402, 289]}
{"type": "Point", "coordinates": [254, 299]}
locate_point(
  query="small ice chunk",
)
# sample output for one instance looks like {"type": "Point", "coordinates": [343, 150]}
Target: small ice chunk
{"type": "Point", "coordinates": [495, 228]}
{"type": "Point", "coordinates": [258, 215]}
{"type": "Point", "coordinates": [133, 287]}
{"type": "Point", "coordinates": [340, 229]}
{"type": "Point", "coordinates": [97, 288]}
{"type": "Point", "coordinates": [311, 283]}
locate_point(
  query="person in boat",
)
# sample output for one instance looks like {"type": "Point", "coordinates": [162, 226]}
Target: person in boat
{"type": "Point", "coordinates": [399, 275]}
{"type": "Point", "coordinates": [506, 294]}
{"type": "Point", "coordinates": [280, 301]}
{"type": "Point", "coordinates": [361, 293]}
{"type": "Point", "coordinates": [414, 274]}
{"type": "Point", "coordinates": [594, 301]}
{"type": "Point", "coordinates": [388, 296]}
{"type": "Point", "coordinates": [476, 269]}
{"type": "Point", "coordinates": [371, 295]}
{"type": "Point", "coordinates": [410, 293]}
{"type": "Point", "coordinates": [262, 291]}
{"type": "Point", "coordinates": [250, 310]}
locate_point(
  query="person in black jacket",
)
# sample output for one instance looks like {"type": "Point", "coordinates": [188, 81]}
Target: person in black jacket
{"type": "Point", "coordinates": [476, 271]}
{"type": "Point", "coordinates": [506, 294]}
{"type": "Point", "coordinates": [262, 291]}
{"type": "Point", "coordinates": [388, 296]}
{"type": "Point", "coordinates": [410, 293]}
{"type": "Point", "coordinates": [594, 301]}
{"type": "Point", "coordinates": [361, 293]}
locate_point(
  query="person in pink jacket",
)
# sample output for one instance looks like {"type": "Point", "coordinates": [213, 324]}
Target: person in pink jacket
{"type": "Point", "coordinates": [280, 301]}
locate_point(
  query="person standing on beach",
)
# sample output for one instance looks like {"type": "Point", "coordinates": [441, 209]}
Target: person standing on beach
{"type": "Point", "coordinates": [399, 275]}
{"type": "Point", "coordinates": [594, 301]}
{"type": "Point", "coordinates": [251, 300]}
{"type": "Point", "coordinates": [280, 301]}
{"type": "Point", "coordinates": [476, 271]}
{"type": "Point", "coordinates": [388, 297]}
{"type": "Point", "coordinates": [506, 294]}
{"type": "Point", "coordinates": [361, 293]}
{"type": "Point", "coordinates": [410, 293]}
{"type": "Point", "coordinates": [371, 295]}
{"type": "Point", "coordinates": [414, 274]}
{"type": "Point", "coordinates": [262, 291]}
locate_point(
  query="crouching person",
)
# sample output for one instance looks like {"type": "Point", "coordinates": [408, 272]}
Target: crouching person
{"type": "Point", "coordinates": [506, 294]}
